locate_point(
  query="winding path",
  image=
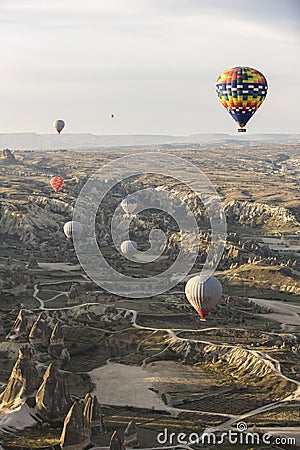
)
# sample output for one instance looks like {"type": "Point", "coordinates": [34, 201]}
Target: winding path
{"type": "Point", "coordinates": [287, 307]}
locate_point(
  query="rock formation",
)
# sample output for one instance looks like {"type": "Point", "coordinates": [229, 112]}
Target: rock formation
{"type": "Point", "coordinates": [257, 214]}
{"type": "Point", "coordinates": [73, 295]}
{"type": "Point", "coordinates": [17, 275]}
{"type": "Point", "coordinates": [53, 400]}
{"type": "Point", "coordinates": [32, 263]}
{"type": "Point", "coordinates": [75, 434]}
{"type": "Point", "coordinates": [40, 332]}
{"type": "Point", "coordinates": [57, 347]}
{"type": "Point", "coordinates": [116, 443]}
{"type": "Point", "coordinates": [21, 328]}
{"type": "Point", "coordinates": [23, 381]}
{"type": "Point", "coordinates": [93, 414]}
{"type": "Point", "coordinates": [244, 364]}
{"type": "Point", "coordinates": [8, 155]}
{"type": "Point", "coordinates": [31, 224]}
{"type": "Point", "coordinates": [130, 436]}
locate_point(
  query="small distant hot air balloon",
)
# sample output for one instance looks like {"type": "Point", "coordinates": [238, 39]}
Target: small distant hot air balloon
{"type": "Point", "coordinates": [203, 295]}
{"type": "Point", "coordinates": [241, 90]}
{"type": "Point", "coordinates": [72, 229]}
{"type": "Point", "coordinates": [128, 248]}
{"type": "Point", "coordinates": [112, 116]}
{"type": "Point", "coordinates": [59, 125]}
{"type": "Point", "coordinates": [129, 205]}
{"type": "Point", "coordinates": [57, 183]}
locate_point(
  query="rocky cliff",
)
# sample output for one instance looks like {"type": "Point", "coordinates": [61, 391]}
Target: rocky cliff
{"type": "Point", "coordinates": [40, 217]}
{"type": "Point", "coordinates": [258, 215]}
{"type": "Point", "coordinates": [252, 367]}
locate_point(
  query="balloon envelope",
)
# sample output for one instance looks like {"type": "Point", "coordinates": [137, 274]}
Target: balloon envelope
{"type": "Point", "coordinates": [203, 295]}
{"type": "Point", "coordinates": [72, 229]}
{"type": "Point", "coordinates": [57, 183]}
{"type": "Point", "coordinates": [59, 125]}
{"type": "Point", "coordinates": [129, 205]}
{"type": "Point", "coordinates": [241, 90]}
{"type": "Point", "coordinates": [128, 247]}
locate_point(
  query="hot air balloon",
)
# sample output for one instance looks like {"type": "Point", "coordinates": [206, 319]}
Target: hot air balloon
{"type": "Point", "coordinates": [72, 229]}
{"type": "Point", "coordinates": [241, 90]}
{"type": "Point", "coordinates": [203, 295]}
{"type": "Point", "coordinates": [57, 183]}
{"type": "Point", "coordinates": [59, 125]}
{"type": "Point", "coordinates": [128, 248]}
{"type": "Point", "coordinates": [129, 205]}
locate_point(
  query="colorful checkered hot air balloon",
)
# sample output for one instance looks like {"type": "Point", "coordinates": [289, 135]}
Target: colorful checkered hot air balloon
{"type": "Point", "coordinates": [57, 183]}
{"type": "Point", "coordinates": [241, 90]}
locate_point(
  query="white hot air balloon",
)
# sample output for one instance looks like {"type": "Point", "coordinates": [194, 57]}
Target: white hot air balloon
{"type": "Point", "coordinates": [72, 229]}
{"type": "Point", "coordinates": [128, 248]}
{"type": "Point", "coordinates": [129, 205]}
{"type": "Point", "coordinates": [203, 295]}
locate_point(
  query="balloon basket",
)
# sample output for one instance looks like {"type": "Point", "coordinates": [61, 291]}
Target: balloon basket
{"type": "Point", "coordinates": [242, 130]}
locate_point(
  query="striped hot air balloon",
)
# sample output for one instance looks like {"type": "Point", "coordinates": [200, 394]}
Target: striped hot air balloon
{"type": "Point", "coordinates": [59, 125]}
{"type": "Point", "coordinates": [72, 228]}
{"type": "Point", "coordinates": [241, 90]}
{"type": "Point", "coordinates": [57, 183]}
{"type": "Point", "coordinates": [203, 295]}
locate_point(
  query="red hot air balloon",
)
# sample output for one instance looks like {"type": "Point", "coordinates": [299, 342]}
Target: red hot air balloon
{"type": "Point", "coordinates": [203, 295]}
{"type": "Point", "coordinates": [57, 183]}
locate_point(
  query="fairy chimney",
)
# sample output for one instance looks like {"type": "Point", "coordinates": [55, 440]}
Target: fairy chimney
{"type": "Point", "coordinates": [93, 414]}
{"type": "Point", "coordinates": [131, 436]}
{"type": "Point", "coordinates": [57, 347]}
{"type": "Point", "coordinates": [23, 381]}
{"type": "Point", "coordinates": [53, 400]}
{"type": "Point", "coordinates": [74, 435]}
{"type": "Point", "coordinates": [40, 332]}
{"type": "Point", "coordinates": [21, 328]}
{"type": "Point", "coordinates": [115, 442]}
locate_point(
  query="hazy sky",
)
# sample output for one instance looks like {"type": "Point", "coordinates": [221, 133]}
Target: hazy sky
{"type": "Point", "coordinates": [153, 63]}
